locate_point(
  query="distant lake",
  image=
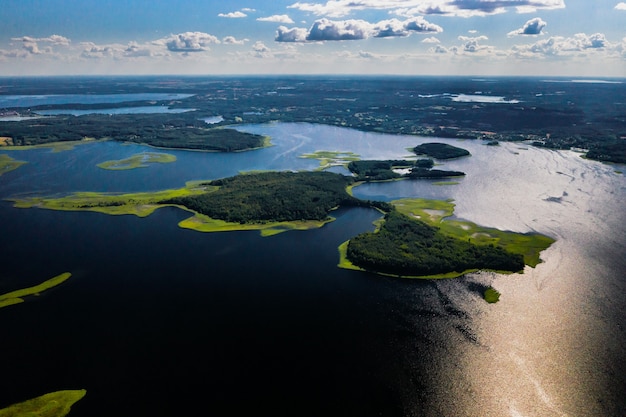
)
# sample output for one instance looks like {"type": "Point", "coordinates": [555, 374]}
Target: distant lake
{"type": "Point", "coordinates": [119, 110]}
{"type": "Point", "coordinates": [8, 101]}
{"type": "Point", "coordinates": [236, 324]}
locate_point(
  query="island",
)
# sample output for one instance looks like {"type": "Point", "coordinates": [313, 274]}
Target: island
{"type": "Point", "coordinates": [16, 297]}
{"type": "Point", "coordinates": [383, 170]}
{"type": "Point", "coordinates": [440, 150]}
{"type": "Point", "coordinates": [140, 160]}
{"type": "Point", "coordinates": [8, 164]}
{"type": "Point", "coordinates": [415, 238]}
{"type": "Point", "coordinates": [54, 404]}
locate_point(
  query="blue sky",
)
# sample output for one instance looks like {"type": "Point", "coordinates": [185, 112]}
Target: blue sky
{"type": "Point", "coordinates": [414, 37]}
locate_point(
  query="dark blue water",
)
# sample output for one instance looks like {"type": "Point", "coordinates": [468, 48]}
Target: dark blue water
{"type": "Point", "coordinates": [162, 321]}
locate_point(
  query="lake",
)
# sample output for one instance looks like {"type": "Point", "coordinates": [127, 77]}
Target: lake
{"type": "Point", "coordinates": [161, 321]}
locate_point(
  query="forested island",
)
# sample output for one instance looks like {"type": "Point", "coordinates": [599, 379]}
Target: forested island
{"type": "Point", "coordinates": [273, 202]}
{"type": "Point", "coordinates": [383, 170]}
{"type": "Point", "coordinates": [440, 150]}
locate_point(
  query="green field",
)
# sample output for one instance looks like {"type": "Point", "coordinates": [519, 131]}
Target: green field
{"type": "Point", "coordinates": [54, 404]}
{"type": "Point", "coordinates": [9, 164]}
{"type": "Point", "coordinates": [436, 212]}
{"type": "Point", "coordinates": [140, 160]}
{"type": "Point", "coordinates": [16, 297]}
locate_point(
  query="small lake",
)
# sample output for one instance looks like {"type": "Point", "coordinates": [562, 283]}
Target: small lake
{"type": "Point", "coordinates": [236, 324]}
{"type": "Point", "coordinates": [27, 100]}
{"type": "Point", "coordinates": [119, 110]}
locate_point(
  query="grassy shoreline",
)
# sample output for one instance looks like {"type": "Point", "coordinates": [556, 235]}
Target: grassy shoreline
{"type": "Point", "coordinates": [17, 296]}
{"type": "Point", "coordinates": [54, 404]}
{"type": "Point", "coordinates": [8, 164]}
{"type": "Point", "coordinates": [140, 160]}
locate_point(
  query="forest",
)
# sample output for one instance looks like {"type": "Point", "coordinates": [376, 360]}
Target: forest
{"type": "Point", "coordinates": [167, 131]}
{"type": "Point", "coordinates": [382, 170]}
{"type": "Point", "coordinates": [552, 115]}
{"type": "Point", "coordinates": [409, 247]}
{"type": "Point", "coordinates": [440, 150]}
{"type": "Point", "coordinates": [273, 197]}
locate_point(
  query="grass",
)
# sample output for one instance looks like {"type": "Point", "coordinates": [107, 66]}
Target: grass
{"type": "Point", "coordinates": [54, 404]}
{"type": "Point", "coordinates": [446, 183]}
{"type": "Point", "coordinates": [491, 295]}
{"type": "Point", "coordinates": [140, 160]}
{"type": "Point", "coordinates": [331, 158]}
{"type": "Point", "coordinates": [436, 212]}
{"type": "Point", "coordinates": [140, 204]}
{"type": "Point", "coordinates": [9, 164]}
{"type": "Point", "coordinates": [201, 223]}
{"type": "Point", "coordinates": [15, 297]}
{"type": "Point", "coordinates": [145, 203]}
{"type": "Point", "coordinates": [54, 146]}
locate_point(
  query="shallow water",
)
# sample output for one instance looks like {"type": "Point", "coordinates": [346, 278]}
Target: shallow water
{"type": "Point", "coordinates": [271, 326]}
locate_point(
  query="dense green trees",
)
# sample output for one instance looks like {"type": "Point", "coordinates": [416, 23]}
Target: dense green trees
{"type": "Point", "coordinates": [273, 197]}
{"type": "Point", "coordinates": [440, 150]}
{"type": "Point", "coordinates": [379, 170]}
{"type": "Point", "coordinates": [404, 246]}
{"type": "Point", "coordinates": [168, 131]}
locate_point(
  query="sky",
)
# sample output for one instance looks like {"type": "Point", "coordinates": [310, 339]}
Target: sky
{"type": "Point", "coordinates": [410, 37]}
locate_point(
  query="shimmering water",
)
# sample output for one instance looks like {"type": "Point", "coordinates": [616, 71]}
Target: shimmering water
{"type": "Point", "coordinates": [162, 321]}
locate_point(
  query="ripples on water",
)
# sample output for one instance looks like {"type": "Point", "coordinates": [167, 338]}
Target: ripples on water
{"type": "Point", "coordinates": [286, 327]}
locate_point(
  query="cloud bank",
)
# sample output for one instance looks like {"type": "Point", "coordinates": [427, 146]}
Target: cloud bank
{"type": "Point", "coordinates": [347, 30]}
{"type": "Point", "coordinates": [410, 8]}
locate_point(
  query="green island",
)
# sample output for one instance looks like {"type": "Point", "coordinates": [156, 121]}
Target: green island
{"type": "Point", "coordinates": [9, 164]}
{"type": "Point", "coordinates": [271, 202]}
{"type": "Point", "coordinates": [54, 404]}
{"type": "Point", "coordinates": [331, 158]}
{"type": "Point", "coordinates": [416, 240]}
{"type": "Point", "coordinates": [440, 150]}
{"type": "Point", "coordinates": [384, 170]}
{"type": "Point", "coordinates": [140, 160]}
{"type": "Point", "coordinates": [16, 297]}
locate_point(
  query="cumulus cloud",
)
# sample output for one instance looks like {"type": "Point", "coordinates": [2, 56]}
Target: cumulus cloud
{"type": "Point", "coordinates": [284, 34]}
{"type": "Point", "coordinates": [472, 44]}
{"type": "Point", "coordinates": [282, 18]}
{"type": "Point", "coordinates": [31, 44]}
{"type": "Point", "coordinates": [409, 8]}
{"type": "Point", "coordinates": [531, 28]}
{"type": "Point", "coordinates": [432, 39]}
{"type": "Point", "coordinates": [188, 42]}
{"type": "Point", "coordinates": [261, 50]}
{"type": "Point", "coordinates": [620, 6]}
{"type": "Point", "coordinates": [562, 46]}
{"type": "Point", "coordinates": [233, 15]}
{"type": "Point", "coordinates": [344, 30]}
{"type": "Point", "coordinates": [231, 40]}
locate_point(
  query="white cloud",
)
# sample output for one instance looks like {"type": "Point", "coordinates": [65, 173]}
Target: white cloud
{"type": "Point", "coordinates": [562, 46]}
{"type": "Point", "coordinates": [472, 44]}
{"type": "Point", "coordinates": [248, 10]}
{"type": "Point", "coordinates": [31, 45]}
{"type": "Point", "coordinates": [261, 50]}
{"type": "Point", "coordinates": [620, 6]}
{"type": "Point", "coordinates": [284, 34]}
{"type": "Point", "coordinates": [432, 39]}
{"type": "Point", "coordinates": [231, 40]}
{"type": "Point", "coordinates": [233, 15]}
{"type": "Point", "coordinates": [188, 42]}
{"type": "Point", "coordinates": [533, 27]}
{"type": "Point", "coordinates": [344, 30]}
{"type": "Point", "coordinates": [282, 18]}
{"type": "Point", "coordinates": [409, 8]}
